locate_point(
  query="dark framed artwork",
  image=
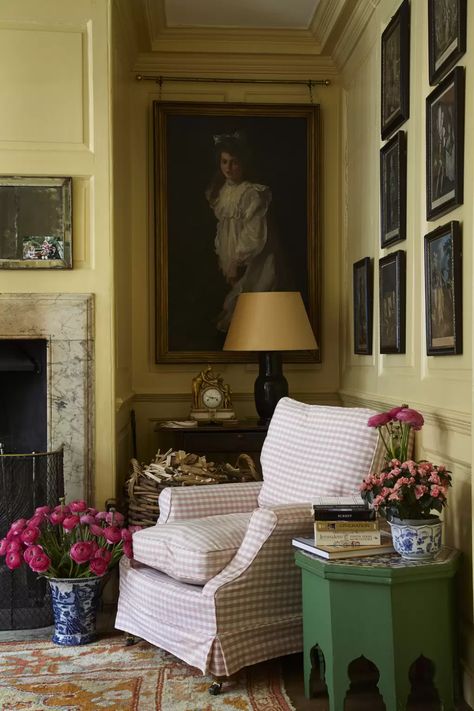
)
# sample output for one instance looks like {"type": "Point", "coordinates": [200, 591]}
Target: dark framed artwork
{"type": "Point", "coordinates": [362, 284]}
{"type": "Point", "coordinates": [392, 304]}
{"type": "Point", "coordinates": [395, 74]}
{"type": "Point", "coordinates": [35, 222]}
{"type": "Point", "coordinates": [393, 190]}
{"type": "Point", "coordinates": [446, 35]}
{"type": "Point", "coordinates": [236, 207]}
{"type": "Point", "coordinates": [445, 145]}
{"type": "Point", "coordinates": [443, 290]}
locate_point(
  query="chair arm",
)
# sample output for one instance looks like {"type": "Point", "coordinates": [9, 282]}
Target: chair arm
{"type": "Point", "coordinates": [185, 502]}
{"type": "Point", "coordinates": [266, 547]}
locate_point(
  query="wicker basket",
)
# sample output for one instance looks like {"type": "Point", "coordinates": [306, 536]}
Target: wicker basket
{"type": "Point", "coordinates": [146, 482]}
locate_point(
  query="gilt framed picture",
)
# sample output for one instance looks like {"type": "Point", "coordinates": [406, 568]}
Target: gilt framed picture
{"type": "Point", "coordinates": [395, 71]}
{"type": "Point", "coordinates": [445, 145]}
{"type": "Point", "coordinates": [35, 222]}
{"type": "Point", "coordinates": [443, 290]}
{"type": "Point", "coordinates": [447, 35]}
{"type": "Point", "coordinates": [392, 304]}
{"type": "Point", "coordinates": [362, 285]}
{"type": "Point", "coordinates": [236, 208]}
{"type": "Point", "coordinates": [393, 190]}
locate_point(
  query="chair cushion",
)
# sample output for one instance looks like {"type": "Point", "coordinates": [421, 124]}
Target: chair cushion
{"type": "Point", "coordinates": [193, 550]}
{"type": "Point", "coordinates": [315, 450]}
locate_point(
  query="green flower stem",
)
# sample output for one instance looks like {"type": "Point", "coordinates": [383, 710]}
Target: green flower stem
{"type": "Point", "coordinates": [385, 443]}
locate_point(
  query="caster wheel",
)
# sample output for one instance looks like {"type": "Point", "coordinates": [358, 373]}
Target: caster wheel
{"type": "Point", "coordinates": [215, 688]}
{"type": "Point", "coordinates": [130, 640]}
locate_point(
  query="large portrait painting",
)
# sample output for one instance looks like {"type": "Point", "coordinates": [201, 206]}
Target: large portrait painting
{"type": "Point", "coordinates": [443, 290]}
{"type": "Point", "coordinates": [236, 210]}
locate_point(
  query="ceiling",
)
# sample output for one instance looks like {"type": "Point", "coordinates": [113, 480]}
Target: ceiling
{"type": "Point", "coordinates": [250, 27]}
{"type": "Point", "coordinates": [282, 14]}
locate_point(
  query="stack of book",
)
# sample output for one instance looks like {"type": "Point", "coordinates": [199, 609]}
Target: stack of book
{"type": "Point", "coordinates": [344, 527]}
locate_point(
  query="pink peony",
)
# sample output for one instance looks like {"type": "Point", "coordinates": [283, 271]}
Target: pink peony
{"type": "Point", "coordinates": [18, 526]}
{"type": "Point", "coordinates": [87, 519]}
{"type": "Point", "coordinates": [112, 534]}
{"type": "Point", "coordinates": [63, 509]}
{"type": "Point", "coordinates": [103, 553]}
{"type": "Point", "coordinates": [57, 517]}
{"type": "Point", "coordinates": [43, 510]}
{"type": "Point", "coordinates": [101, 516]}
{"type": "Point", "coordinates": [128, 549]}
{"type": "Point", "coordinates": [379, 420]}
{"type": "Point", "coordinates": [81, 552]}
{"type": "Point", "coordinates": [3, 546]}
{"type": "Point", "coordinates": [14, 559]}
{"type": "Point", "coordinates": [394, 412]}
{"type": "Point", "coordinates": [35, 520]}
{"type": "Point", "coordinates": [115, 518]}
{"type": "Point", "coordinates": [98, 566]}
{"type": "Point", "coordinates": [126, 534]}
{"type": "Point", "coordinates": [435, 491]}
{"type": "Point", "coordinates": [14, 545]}
{"type": "Point", "coordinates": [410, 417]}
{"type": "Point", "coordinates": [30, 535]}
{"type": "Point", "coordinates": [30, 553]}
{"type": "Point", "coordinates": [134, 529]}
{"type": "Point", "coordinates": [420, 490]}
{"type": "Point", "coordinates": [96, 530]}
{"type": "Point", "coordinates": [40, 563]}
{"type": "Point", "coordinates": [70, 522]}
{"type": "Point", "coordinates": [78, 506]}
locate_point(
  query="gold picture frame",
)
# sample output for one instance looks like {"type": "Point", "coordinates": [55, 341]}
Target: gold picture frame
{"type": "Point", "coordinates": [198, 267]}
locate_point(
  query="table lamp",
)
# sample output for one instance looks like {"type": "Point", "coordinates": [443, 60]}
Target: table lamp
{"type": "Point", "coordinates": [270, 322]}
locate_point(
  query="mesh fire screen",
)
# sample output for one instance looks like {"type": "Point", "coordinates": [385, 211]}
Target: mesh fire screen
{"type": "Point", "coordinates": [26, 481]}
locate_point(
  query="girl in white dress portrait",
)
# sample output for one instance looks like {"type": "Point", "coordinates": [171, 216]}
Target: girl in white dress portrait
{"type": "Point", "coordinates": [244, 242]}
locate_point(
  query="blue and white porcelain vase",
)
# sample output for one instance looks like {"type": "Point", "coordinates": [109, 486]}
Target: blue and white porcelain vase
{"type": "Point", "coordinates": [416, 539]}
{"type": "Point", "coordinates": [75, 602]}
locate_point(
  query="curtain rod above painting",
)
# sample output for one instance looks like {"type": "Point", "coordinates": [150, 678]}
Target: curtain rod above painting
{"type": "Point", "coordinates": [220, 80]}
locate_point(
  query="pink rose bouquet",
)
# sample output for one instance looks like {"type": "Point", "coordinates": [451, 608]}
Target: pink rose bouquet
{"type": "Point", "coordinates": [69, 541]}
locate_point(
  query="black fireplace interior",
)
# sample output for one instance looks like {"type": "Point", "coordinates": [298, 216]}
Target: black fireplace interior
{"type": "Point", "coordinates": [23, 399]}
{"type": "Point", "coordinates": [29, 475]}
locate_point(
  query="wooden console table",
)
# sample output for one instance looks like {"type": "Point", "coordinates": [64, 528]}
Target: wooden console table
{"type": "Point", "coordinates": [218, 443]}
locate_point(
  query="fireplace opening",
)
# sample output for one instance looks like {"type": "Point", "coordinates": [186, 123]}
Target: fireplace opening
{"type": "Point", "coordinates": [23, 401]}
{"type": "Point", "coordinates": [29, 475]}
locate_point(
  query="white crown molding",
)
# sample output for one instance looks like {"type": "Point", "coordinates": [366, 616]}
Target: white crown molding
{"type": "Point", "coordinates": [362, 12]}
{"type": "Point", "coordinates": [325, 18]}
{"type": "Point", "coordinates": [246, 67]}
{"type": "Point", "coordinates": [133, 26]}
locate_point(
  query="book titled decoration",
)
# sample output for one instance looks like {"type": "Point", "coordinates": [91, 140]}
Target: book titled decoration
{"type": "Point", "coordinates": [336, 552]}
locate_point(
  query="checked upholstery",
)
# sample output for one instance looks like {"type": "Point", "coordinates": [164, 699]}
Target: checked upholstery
{"type": "Point", "coordinates": [214, 581]}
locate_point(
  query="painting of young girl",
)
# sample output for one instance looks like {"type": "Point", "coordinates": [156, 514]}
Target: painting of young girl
{"type": "Point", "coordinates": [236, 210]}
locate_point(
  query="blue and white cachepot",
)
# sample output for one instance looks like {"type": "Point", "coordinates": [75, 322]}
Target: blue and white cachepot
{"type": "Point", "coordinates": [416, 539]}
{"type": "Point", "coordinates": [75, 602]}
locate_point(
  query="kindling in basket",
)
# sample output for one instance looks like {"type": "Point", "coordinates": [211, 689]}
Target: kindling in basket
{"type": "Point", "coordinates": [177, 468]}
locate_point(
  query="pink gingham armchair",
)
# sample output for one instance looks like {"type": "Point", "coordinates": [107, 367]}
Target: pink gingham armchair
{"type": "Point", "coordinates": [214, 581]}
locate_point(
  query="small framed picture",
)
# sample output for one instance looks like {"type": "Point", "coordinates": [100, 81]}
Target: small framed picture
{"type": "Point", "coordinates": [443, 290]}
{"type": "Point", "coordinates": [393, 187]}
{"type": "Point", "coordinates": [362, 284]}
{"type": "Point", "coordinates": [35, 222]}
{"type": "Point", "coordinates": [395, 74]}
{"type": "Point", "coordinates": [392, 289]}
{"type": "Point", "coordinates": [447, 35]}
{"type": "Point", "coordinates": [445, 145]}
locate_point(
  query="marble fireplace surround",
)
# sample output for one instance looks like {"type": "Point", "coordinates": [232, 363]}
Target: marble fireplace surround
{"type": "Point", "coordinates": [66, 322]}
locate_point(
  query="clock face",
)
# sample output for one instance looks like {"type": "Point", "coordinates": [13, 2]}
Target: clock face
{"type": "Point", "coordinates": [212, 398]}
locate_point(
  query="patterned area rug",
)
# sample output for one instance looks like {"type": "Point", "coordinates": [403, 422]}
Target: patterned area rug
{"type": "Point", "coordinates": [106, 675]}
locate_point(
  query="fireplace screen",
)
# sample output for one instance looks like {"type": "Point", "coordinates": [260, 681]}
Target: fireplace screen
{"type": "Point", "coordinates": [26, 481]}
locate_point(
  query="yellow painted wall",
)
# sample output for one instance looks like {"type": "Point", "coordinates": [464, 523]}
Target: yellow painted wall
{"type": "Point", "coordinates": [54, 94]}
{"type": "Point", "coordinates": [441, 387]}
{"type": "Point", "coordinates": [164, 391]}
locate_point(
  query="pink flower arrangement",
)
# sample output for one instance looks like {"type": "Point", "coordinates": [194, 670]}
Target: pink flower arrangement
{"type": "Point", "coordinates": [404, 489]}
{"type": "Point", "coordinates": [394, 429]}
{"type": "Point", "coordinates": [69, 541]}
{"type": "Point", "coordinates": [407, 490]}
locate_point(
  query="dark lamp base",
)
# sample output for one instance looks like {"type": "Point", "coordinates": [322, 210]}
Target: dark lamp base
{"type": "Point", "coordinates": [270, 385]}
